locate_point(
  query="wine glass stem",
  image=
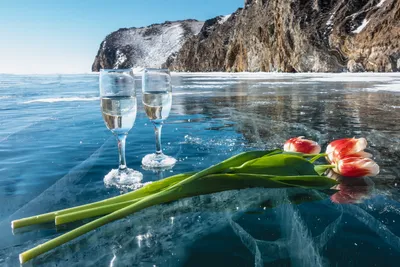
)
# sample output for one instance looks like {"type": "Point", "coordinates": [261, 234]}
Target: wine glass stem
{"type": "Point", "coordinates": [157, 131]}
{"type": "Point", "coordinates": [121, 149]}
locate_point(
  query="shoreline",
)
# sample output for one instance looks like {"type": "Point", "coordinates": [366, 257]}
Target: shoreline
{"type": "Point", "coordinates": [220, 73]}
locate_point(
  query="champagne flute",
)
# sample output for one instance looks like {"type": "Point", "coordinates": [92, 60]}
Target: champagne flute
{"type": "Point", "coordinates": [119, 108]}
{"type": "Point", "coordinates": [157, 101]}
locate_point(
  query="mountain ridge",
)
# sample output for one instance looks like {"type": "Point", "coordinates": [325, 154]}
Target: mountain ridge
{"type": "Point", "coordinates": [291, 36]}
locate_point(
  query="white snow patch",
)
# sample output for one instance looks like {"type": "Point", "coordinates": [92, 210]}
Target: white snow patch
{"type": "Point", "coordinates": [154, 44]}
{"type": "Point", "coordinates": [268, 77]}
{"type": "Point", "coordinates": [196, 27]}
{"type": "Point", "coordinates": [361, 27]}
{"type": "Point", "coordinates": [234, 76]}
{"type": "Point", "coordinates": [330, 20]}
{"type": "Point", "coordinates": [60, 99]}
{"type": "Point", "coordinates": [356, 77]}
{"type": "Point", "coordinates": [193, 93]}
{"type": "Point", "coordinates": [380, 3]}
{"type": "Point", "coordinates": [223, 19]}
{"type": "Point", "coordinates": [389, 87]}
{"type": "Point", "coordinates": [121, 58]}
{"type": "Point", "coordinates": [196, 86]}
{"type": "Point", "coordinates": [284, 83]}
{"type": "Point", "coordinates": [368, 81]}
{"type": "Point", "coordinates": [216, 82]}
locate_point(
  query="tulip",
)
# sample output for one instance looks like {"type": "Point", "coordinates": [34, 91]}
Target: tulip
{"type": "Point", "coordinates": [347, 147]}
{"type": "Point", "coordinates": [298, 144]}
{"type": "Point", "coordinates": [356, 167]}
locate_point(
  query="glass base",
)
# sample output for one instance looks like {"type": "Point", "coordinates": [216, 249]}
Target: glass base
{"type": "Point", "coordinates": [126, 178]}
{"type": "Point", "coordinates": [158, 161]}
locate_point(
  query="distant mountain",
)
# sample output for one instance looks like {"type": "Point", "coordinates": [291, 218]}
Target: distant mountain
{"type": "Point", "coordinates": [144, 47]}
{"type": "Point", "coordinates": [276, 35]}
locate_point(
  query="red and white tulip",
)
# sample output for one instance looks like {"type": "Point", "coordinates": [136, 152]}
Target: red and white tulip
{"type": "Point", "coordinates": [347, 147]}
{"type": "Point", "coordinates": [299, 144]}
{"type": "Point", "coordinates": [356, 167]}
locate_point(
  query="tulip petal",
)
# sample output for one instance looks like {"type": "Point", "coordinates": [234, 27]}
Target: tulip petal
{"type": "Point", "coordinates": [361, 154]}
{"type": "Point", "coordinates": [346, 147]}
{"type": "Point", "coordinates": [357, 167]}
{"type": "Point", "coordinates": [299, 144]}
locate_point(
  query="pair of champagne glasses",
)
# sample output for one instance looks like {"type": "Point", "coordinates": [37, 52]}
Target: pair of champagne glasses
{"type": "Point", "coordinates": [119, 109]}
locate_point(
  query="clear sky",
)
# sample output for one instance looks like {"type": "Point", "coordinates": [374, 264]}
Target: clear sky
{"type": "Point", "coordinates": [63, 36]}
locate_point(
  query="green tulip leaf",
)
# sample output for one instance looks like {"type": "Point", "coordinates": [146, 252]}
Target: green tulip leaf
{"type": "Point", "coordinates": [277, 164]}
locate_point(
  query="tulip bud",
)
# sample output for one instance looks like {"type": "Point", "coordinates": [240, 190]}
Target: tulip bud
{"type": "Point", "coordinates": [356, 167]}
{"type": "Point", "coordinates": [298, 144]}
{"type": "Point", "coordinates": [347, 147]}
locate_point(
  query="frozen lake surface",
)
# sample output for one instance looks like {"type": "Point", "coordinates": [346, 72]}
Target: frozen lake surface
{"type": "Point", "coordinates": [55, 151]}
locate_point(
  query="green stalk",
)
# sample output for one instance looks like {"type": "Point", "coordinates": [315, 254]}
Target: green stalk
{"type": "Point", "coordinates": [286, 164]}
{"type": "Point", "coordinates": [320, 169]}
{"type": "Point", "coordinates": [237, 160]}
{"type": "Point", "coordinates": [143, 203]}
{"type": "Point", "coordinates": [201, 185]}
{"type": "Point", "coordinates": [144, 191]}
{"type": "Point", "coordinates": [229, 181]}
{"type": "Point", "coordinates": [93, 212]}
{"type": "Point", "coordinates": [148, 201]}
{"type": "Point", "coordinates": [299, 154]}
{"type": "Point", "coordinates": [214, 183]}
{"type": "Point", "coordinates": [242, 158]}
{"type": "Point", "coordinates": [313, 155]}
{"type": "Point", "coordinates": [141, 192]}
{"type": "Point", "coordinates": [316, 157]}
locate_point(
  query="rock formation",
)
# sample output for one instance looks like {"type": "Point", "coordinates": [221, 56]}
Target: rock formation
{"type": "Point", "coordinates": [144, 47]}
{"type": "Point", "coordinates": [290, 36]}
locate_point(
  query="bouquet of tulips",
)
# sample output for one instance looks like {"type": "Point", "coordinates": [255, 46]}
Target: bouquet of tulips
{"type": "Point", "coordinates": [347, 155]}
{"type": "Point", "coordinates": [294, 166]}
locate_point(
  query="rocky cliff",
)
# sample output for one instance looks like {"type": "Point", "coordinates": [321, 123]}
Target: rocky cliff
{"type": "Point", "coordinates": [144, 47]}
{"type": "Point", "coordinates": [294, 36]}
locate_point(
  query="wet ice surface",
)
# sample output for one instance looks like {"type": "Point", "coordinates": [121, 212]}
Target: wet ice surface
{"type": "Point", "coordinates": [55, 151]}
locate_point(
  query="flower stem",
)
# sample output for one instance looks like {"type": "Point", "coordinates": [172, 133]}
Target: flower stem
{"type": "Point", "coordinates": [237, 160]}
{"type": "Point", "coordinates": [171, 193]}
{"type": "Point", "coordinates": [201, 185]}
{"type": "Point", "coordinates": [320, 169]}
{"type": "Point", "coordinates": [146, 190]}
{"type": "Point", "coordinates": [214, 183]}
{"type": "Point", "coordinates": [89, 213]}
{"type": "Point", "coordinates": [329, 166]}
{"type": "Point", "coordinates": [141, 192]}
{"type": "Point", "coordinates": [148, 201]}
{"type": "Point", "coordinates": [317, 156]}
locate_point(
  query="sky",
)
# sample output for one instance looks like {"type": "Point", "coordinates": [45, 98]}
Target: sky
{"type": "Point", "coordinates": [63, 36]}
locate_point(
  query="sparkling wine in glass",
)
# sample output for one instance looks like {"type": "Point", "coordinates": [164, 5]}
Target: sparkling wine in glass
{"type": "Point", "coordinates": [119, 108]}
{"type": "Point", "coordinates": [157, 101]}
